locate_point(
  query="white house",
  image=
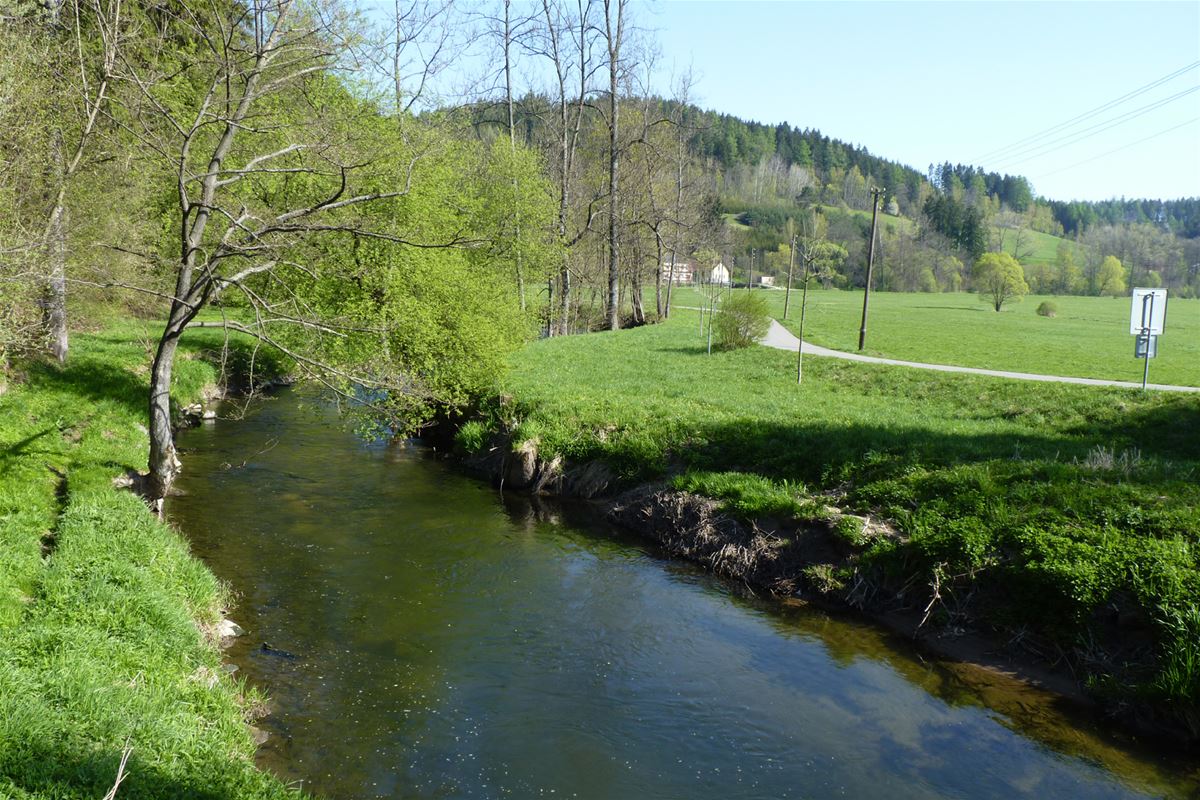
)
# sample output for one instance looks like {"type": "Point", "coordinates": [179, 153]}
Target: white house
{"type": "Point", "coordinates": [680, 272]}
{"type": "Point", "coordinates": [719, 275]}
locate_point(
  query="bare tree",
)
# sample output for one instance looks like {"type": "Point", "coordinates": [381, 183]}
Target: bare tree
{"type": "Point", "coordinates": [256, 185]}
{"type": "Point", "coordinates": [614, 32]}
{"type": "Point", "coordinates": [566, 42]}
{"type": "Point", "coordinates": [83, 78]}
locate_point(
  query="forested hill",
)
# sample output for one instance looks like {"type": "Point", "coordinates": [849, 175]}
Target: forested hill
{"type": "Point", "coordinates": [732, 142]}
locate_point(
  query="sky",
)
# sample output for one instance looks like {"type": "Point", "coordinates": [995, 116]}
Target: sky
{"type": "Point", "coordinates": [966, 82]}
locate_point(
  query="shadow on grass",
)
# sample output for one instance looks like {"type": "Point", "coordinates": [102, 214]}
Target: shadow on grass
{"type": "Point", "coordinates": [698, 350]}
{"type": "Point", "coordinates": [813, 452]}
{"type": "Point", "coordinates": [96, 379]}
{"type": "Point", "coordinates": [1169, 430]}
{"type": "Point", "coordinates": [14, 454]}
{"type": "Point", "coordinates": [45, 772]}
{"type": "Point", "coordinates": [92, 380]}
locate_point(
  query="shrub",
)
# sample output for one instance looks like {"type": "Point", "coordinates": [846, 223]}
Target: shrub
{"type": "Point", "coordinates": [471, 436]}
{"type": "Point", "coordinates": [740, 321]}
{"type": "Point", "coordinates": [1047, 308]}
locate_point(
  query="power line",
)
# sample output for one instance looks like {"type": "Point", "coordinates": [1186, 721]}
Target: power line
{"type": "Point", "coordinates": [1119, 149]}
{"type": "Point", "coordinates": [1088, 114]}
{"type": "Point", "coordinates": [1086, 133]}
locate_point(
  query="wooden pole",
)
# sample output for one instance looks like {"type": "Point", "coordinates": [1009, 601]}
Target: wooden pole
{"type": "Point", "coordinates": [787, 295]}
{"type": "Point", "coordinates": [862, 332]}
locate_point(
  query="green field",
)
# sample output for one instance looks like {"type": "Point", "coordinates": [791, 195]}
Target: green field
{"type": "Point", "coordinates": [1051, 500]}
{"type": "Point", "coordinates": [100, 603]}
{"type": "Point", "coordinates": [1088, 339]}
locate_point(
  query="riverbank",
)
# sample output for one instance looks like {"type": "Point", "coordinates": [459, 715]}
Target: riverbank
{"type": "Point", "coordinates": [1058, 523]}
{"type": "Point", "coordinates": [109, 624]}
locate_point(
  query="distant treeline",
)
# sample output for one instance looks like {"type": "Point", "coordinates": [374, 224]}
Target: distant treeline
{"type": "Point", "coordinates": [732, 142]}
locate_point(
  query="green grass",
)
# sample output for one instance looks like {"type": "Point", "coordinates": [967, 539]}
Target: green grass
{"type": "Point", "coordinates": [100, 604]}
{"type": "Point", "coordinates": [884, 220]}
{"type": "Point", "coordinates": [1056, 502]}
{"type": "Point", "coordinates": [1037, 247]}
{"type": "Point", "coordinates": [1089, 338]}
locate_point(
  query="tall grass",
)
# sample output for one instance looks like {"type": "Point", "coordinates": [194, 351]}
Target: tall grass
{"type": "Point", "coordinates": [102, 606]}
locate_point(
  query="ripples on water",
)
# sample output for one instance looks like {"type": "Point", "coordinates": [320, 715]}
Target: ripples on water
{"type": "Point", "coordinates": [420, 637]}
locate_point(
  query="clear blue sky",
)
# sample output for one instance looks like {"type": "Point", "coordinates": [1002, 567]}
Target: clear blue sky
{"type": "Point", "coordinates": [930, 82]}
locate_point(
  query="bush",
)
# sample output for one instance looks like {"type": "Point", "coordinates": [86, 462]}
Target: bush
{"type": "Point", "coordinates": [740, 321]}
{"type": "Point", "coordinates": [471, 436]}
{"type": "Point", "coordinates": [1047, 308]}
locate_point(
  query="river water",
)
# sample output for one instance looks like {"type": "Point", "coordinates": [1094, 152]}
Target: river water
{"type": "Point", "coordinates": [421, 636]}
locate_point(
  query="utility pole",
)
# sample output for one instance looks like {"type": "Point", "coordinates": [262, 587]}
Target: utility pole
{"type": "Point", "coordinates": [750, 280]}
{"type": "Point", "coordinates": [862, 332]}
{"type": "Point", "coordinates": [787, 295]}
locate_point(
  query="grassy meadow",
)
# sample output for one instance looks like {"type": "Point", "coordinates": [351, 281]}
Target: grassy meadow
{"type": "Point", "coordinates": [1058, 503]}
{"type": "Point", "coordinates": [1089, 338]}
{"type": "Point", "coordinates": [101, 605]}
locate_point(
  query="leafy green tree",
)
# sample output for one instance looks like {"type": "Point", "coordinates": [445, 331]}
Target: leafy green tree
{"type": "Point", "coordinates": [827, 259]}
{"type": "Point", "coordinates": [1111, 277]}
{"type": "Point", "coordinates": [1068, 278]}
{"type": "Point", "coordinates": [998, 278]}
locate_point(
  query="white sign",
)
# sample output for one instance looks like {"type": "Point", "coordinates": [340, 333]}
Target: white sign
{"type": "Point", "coordinates": [1149, 310]}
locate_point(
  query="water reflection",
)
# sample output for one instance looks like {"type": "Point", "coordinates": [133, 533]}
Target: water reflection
{"type": "Point", "coordinates": [422, 638]}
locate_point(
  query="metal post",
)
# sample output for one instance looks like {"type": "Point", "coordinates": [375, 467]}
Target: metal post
{"type": "Point", "coordinates": [862, 332]}
{"type": "Point", "coordinates": [1147, 319]}
{"type": "Point", "coordinates": [712, 296]}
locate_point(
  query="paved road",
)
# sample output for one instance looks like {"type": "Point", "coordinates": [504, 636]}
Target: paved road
{"type": "Point", "coordinates": [781, 338]}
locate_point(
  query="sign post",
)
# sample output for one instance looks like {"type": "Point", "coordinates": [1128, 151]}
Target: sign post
{"type": "Point", "coordinates": [1147, 317]}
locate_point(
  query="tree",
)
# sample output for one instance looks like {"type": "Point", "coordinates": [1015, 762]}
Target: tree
{"type": "Point", "coordinates": [1111, 277]}
{"type": "Point", "coordinates": [565, 42]}
{"type": "Point", "coordinates": [344, 236]}
{"type": "Point", "coordinates": [999, 278]}
{"type": "Point", "coordinates": [614, 34]}
{"type": "Point", "coordinates": [963, 225]}
{"type": "Point", "coordinates": [61, 54]}
{"type": "Point", "coordinates": [1067, 277]}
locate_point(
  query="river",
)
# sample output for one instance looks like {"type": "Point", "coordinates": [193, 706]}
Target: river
{"type": "Point", "coordinates": [421, 636]}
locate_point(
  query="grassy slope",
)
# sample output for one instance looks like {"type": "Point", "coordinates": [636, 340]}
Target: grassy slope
{"type": "Point", "coordinates": [1006, 481]}
{"type": "Point", "coordinates": [1089, 338]}
{"type": "Point", "coordinates": [1040, 248]}
{"type": "Point", "coordinates": [101, 645]}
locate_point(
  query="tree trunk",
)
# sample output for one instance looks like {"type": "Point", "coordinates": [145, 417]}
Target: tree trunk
{"type": "Point", "coordinates": [164, 462]}
{"type": "Point", "coordinates": [637, 311]}
{"type": "Point", "coordinates": [670, 283]}
{"type": "Point", "coordinates": [614, 36]}
{"type": "Point", "coordinates": [614, 290]}
{"type": "Point", "coordinates": [564, 297]}
{"type": "Point", "coordinates": [658, 292]}
{"type": "Point", "coordinates": [512, 138]}
{"type": "Point", "coordinates": [54, 291]}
